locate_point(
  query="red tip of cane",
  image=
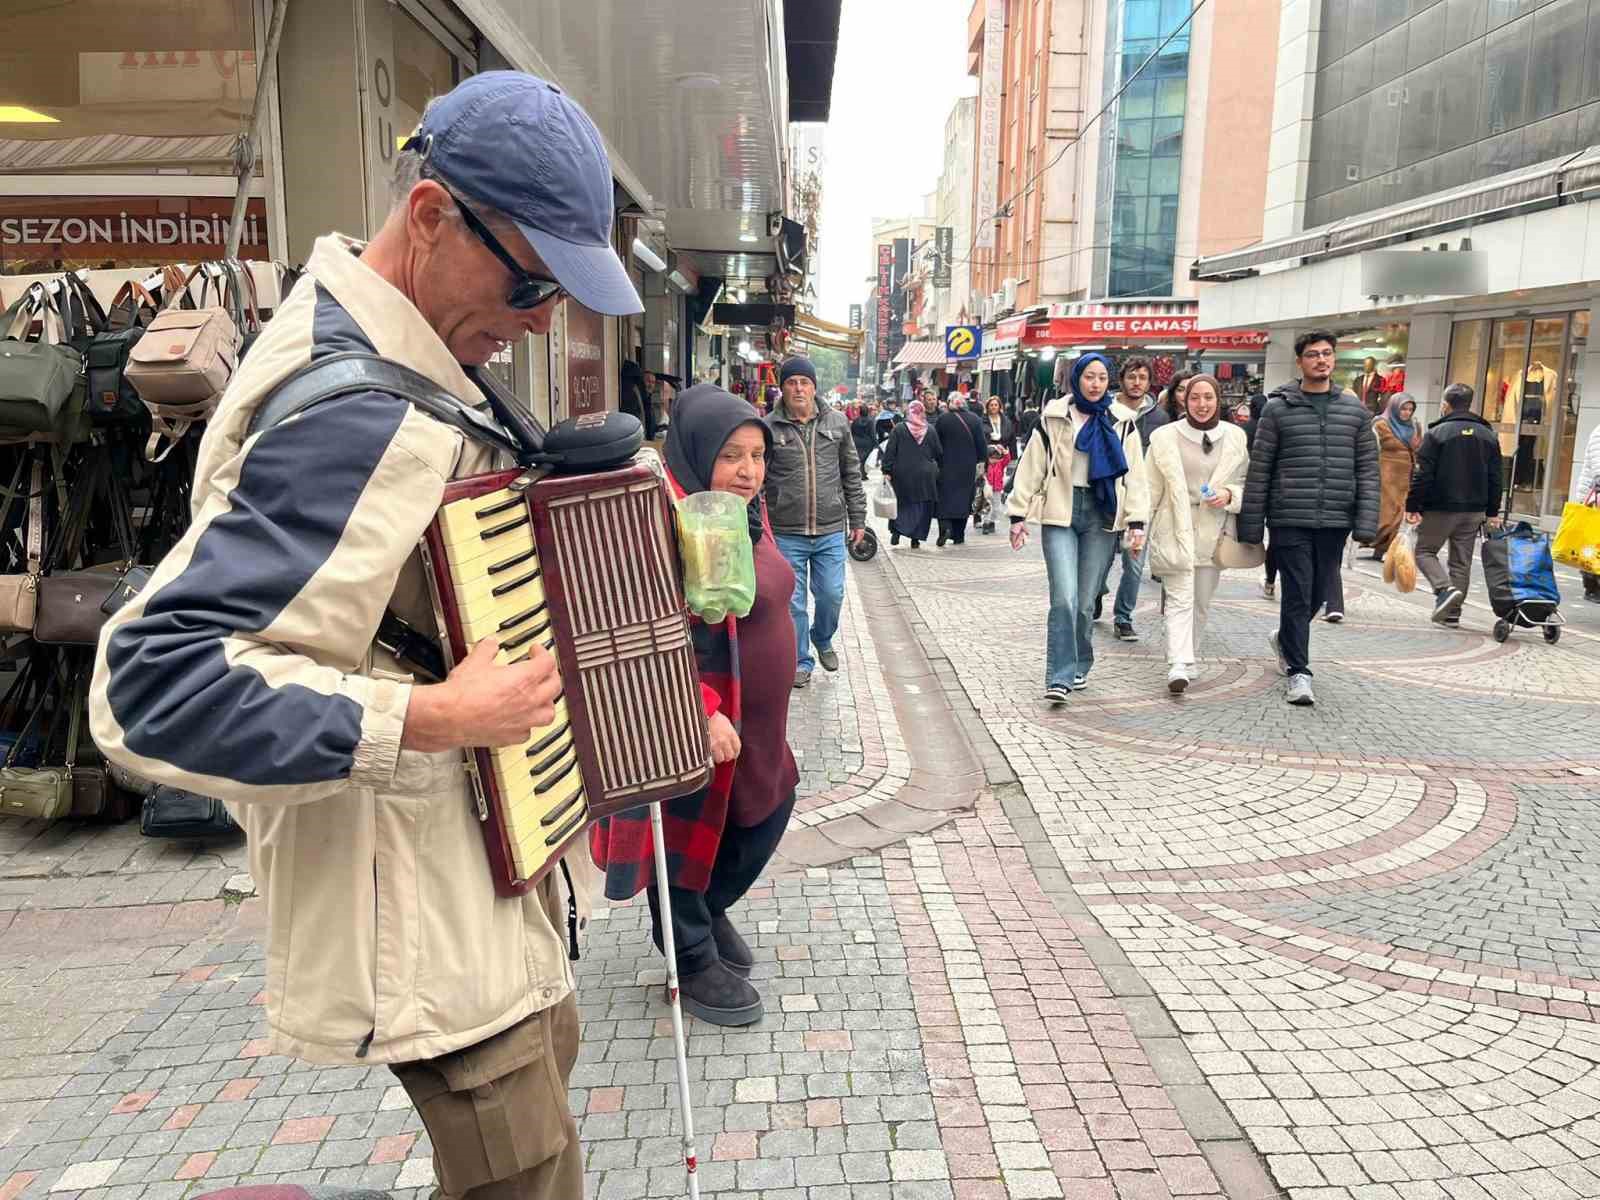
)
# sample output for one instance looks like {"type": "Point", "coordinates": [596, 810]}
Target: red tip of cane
{"type": "Point", "coordinates": [672, 995]}
{"type": "Point", "coordinates": [690, 1161]}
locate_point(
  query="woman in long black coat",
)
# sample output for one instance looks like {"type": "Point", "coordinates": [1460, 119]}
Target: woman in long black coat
{"type": "Point", "coordinates": [911, 465]}
{"type": "Point", "coordinates": [961, 434]}
{"type": "Point", "coordinates": [862, 435]}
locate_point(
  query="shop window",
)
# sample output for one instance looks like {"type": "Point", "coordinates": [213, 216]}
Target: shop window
{"type": "Point", "coordinates": [111, 86]}
{"type": "Point", "coordinates": [1469, 344]}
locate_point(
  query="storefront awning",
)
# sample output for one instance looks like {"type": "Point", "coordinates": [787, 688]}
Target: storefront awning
{"type": "Point", "coordinates": [921, 354]}
{"type": "Point", "coordinates": [1550, 182]}
{"type": "Point", "coordinates": [1153, 325]}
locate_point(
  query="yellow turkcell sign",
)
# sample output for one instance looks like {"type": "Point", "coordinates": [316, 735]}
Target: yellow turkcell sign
{"type": "Point", "coordinates": [959, 342]}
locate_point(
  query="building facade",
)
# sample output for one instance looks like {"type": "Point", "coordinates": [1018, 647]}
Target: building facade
{"type": "Point", "coordinates": [1445, 126]}
{"type": "Point", "coordinates": [121, 118]}
{"type": "Point", "coordinates": [1129, 136]}
{"type": "Point", "coordinates": [953, 211]}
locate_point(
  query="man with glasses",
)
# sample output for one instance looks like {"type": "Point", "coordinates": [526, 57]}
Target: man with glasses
{"type": "Point", "coordinates": [252, 667]}
{"type": "Point", "coordinates": [1314, 481]}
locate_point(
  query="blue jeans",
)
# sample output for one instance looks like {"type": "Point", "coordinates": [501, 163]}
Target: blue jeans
{"type": "Point", "coordinates": [818, 564]}
{"type": "Point", "coordinates": [1128, 587]}
{"type": "Point", "coordinates": [1076, 559]}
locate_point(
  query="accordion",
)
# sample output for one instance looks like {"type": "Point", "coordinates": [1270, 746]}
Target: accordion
{"type": "Point", "coordinates": [585, 565]}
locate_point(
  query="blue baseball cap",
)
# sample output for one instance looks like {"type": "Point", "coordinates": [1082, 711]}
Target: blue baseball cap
{"type": "Point", "coordinates": [524, 146]}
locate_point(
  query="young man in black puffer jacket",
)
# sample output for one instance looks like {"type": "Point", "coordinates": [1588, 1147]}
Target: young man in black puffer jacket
{"type": "Point", "coordinates": [1314, 480]}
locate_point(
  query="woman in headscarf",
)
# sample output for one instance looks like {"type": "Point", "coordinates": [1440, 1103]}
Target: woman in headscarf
{"type": "Point", "coordinates": [965, 452]}
{"type": "Point", "coordinates": [1196, 469]}
{"type": "Point", "coordinates": [1399, 438]}
{"type": "Point", "coordinates": [1082, 478]}
{"type": "Point", "coordinates": [910, 461]}
{"type": "Point", "coordinates": [720, 839]}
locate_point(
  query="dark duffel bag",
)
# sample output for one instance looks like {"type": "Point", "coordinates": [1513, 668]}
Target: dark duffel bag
{"type": "Point", "coordinates": [171, 812]}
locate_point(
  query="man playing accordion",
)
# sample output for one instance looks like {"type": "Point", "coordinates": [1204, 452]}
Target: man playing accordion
{"type": "Point", "coordinates": [249, 668]}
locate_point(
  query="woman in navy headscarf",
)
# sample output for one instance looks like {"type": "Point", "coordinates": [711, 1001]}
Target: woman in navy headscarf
{"type": "Point", "coordinates": [1082, 478]}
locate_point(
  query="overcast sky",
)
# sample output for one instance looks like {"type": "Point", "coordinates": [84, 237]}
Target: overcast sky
{"type": "Point", "coordinates": [901, 65]}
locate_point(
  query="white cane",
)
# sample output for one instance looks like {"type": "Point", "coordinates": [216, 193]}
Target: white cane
{"type": "Point", "coordinates": [670, 950]}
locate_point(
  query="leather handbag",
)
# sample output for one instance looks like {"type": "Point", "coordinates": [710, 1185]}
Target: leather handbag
{"type": "Point", "coordinates": [1233, 555]}
{"type": "Point", "coordinates": [183, 363]}
{"type": "Point", "coordinates": [38, 793]}
{"type": "Point", "coordinates": [72, 605]}
{"type": "Point", "coordinates": [174, 813]}
{"type": "Point", "coordinates": [19, 594]}
{"type": "Point", "coordinates": [38, 378]}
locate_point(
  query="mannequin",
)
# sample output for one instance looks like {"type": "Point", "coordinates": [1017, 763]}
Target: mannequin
{"type": "Point", "coordinates": [1523, 411]}
{"type": "Point", "coordinates": [1369, 386]}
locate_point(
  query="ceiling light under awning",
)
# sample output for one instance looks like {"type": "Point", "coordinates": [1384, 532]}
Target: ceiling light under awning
{"type": "Point", "coordinates": [16, 114]}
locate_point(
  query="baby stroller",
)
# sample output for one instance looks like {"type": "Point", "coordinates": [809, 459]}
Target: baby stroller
{"type": "Point", "coordinates": [994, 489]}
{"type": "Point", "coordinates": [1521, 578]}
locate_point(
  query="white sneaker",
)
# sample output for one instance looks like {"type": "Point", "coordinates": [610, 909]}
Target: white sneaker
{"type": "Point", "coordinates": [1178, 679]}
{"type": "Point", "coordinates": [1277, 650]}
{"type": "Point", "coordinates": [1333, 617]}
{"type": "Point", "coordinates": [1300, 692]}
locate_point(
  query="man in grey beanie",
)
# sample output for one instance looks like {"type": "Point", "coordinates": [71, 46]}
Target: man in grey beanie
{"type": "Point", "coordinates": [814, 495]}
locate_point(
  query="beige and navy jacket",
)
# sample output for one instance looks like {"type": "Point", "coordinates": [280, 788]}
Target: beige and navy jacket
{"type": "Point", "coordinates": [246, 671]}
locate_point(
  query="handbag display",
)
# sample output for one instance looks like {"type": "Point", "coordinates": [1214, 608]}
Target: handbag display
{"type": "Point", "coordinates": [38, 378]}
{"type": "Point", "coordinates": [19, 594]}
{"type": "Point", "coordinates": [1233, 555]}
{"type": "Point", "coordinates": [171, 812]}
{"type": "Point", "coordinates": [183, 363]}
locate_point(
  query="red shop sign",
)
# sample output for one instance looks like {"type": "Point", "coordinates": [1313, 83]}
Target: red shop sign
{"type": "Point", "coordinates": [1010, 329]}
{"type": "Point", "coordinates": [1134, 330]}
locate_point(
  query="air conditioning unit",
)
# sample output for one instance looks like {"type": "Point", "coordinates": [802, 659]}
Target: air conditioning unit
{"type": "Point", "coordinates": [1008, 295]}
{"type": "Point", "coordinates": [986, 310]}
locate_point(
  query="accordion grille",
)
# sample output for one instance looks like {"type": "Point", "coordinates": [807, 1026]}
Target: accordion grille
{"type": "Point", "coordinates": [633, 650]}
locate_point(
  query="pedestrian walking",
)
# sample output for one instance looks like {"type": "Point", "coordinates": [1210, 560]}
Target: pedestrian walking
{"type": "Point", "coordinates": [965, 454]}
{"type": "Point", "coordinates": [722, 837]}
{"type": "Point", "coordinates": [1196, 468]}
{"type": "Point", "coordinates": [1269, 582]}
{"type": "Point", "coordinates": [1588, 479]}
{"type": "Point", "coordinates": [1134, 392]}
{"type": "Point", "coordinates": [861, 433]}
{"type": "Point", "coordinates": [1454, 490]}
{"type": "Point", "coordinates": [815, 501]}
{"type": "Point", "coordinates": [1172, 400]}
{"type": "Point", "coordinates": [248, 669]}
{"type": "Point", "coordinates": [999, 429]}
{"type": "Point", "coordinates": [1082, 478]}
{"type": "Point", "coordinates": [634, 397]}
{"type": "Point", "coordinates": [911, 465]}
{"type": "Point", "coordinates": [1314, 482]}
{"type": "Point", "coordinates": [1026, 424]}
{"type": "Point", "coordinates": [1399, 438]}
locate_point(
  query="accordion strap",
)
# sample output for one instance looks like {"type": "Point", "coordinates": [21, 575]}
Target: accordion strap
{"type": "Point", "coordinates": [353, 371]}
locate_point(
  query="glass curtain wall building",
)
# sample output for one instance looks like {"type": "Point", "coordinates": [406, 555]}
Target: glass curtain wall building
{"type": "Point", "coordinates": [1136, 209]}
{"type": "Point", "coordinates": [1416, 96]}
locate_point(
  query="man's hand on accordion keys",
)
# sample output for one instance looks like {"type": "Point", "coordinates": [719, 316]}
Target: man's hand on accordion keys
{"type": "Point", "coordinates": [724, 739]}
{"type": "Point", "coordinates": [484, 703]}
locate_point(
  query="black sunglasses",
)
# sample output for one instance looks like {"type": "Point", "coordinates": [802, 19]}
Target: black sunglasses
{"type": "Point", "coordinates": [529, 291]}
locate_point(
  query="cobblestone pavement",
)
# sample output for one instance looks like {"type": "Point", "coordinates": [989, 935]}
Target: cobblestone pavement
{"type": "Point", "coordinates": [1373, 923]}
{"type": "Point", "coordinates": [1139, 948]}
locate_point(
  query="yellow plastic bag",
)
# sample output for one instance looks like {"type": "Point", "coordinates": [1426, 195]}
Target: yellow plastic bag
{"type": "Point", "coordinates": [1578, 539]}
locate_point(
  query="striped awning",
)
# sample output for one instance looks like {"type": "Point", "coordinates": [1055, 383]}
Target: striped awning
{"type": "Point", "coordinates": [921, 354]}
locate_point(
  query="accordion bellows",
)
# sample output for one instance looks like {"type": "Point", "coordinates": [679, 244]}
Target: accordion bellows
{"type": "Point", "coordinates": [586, 566]}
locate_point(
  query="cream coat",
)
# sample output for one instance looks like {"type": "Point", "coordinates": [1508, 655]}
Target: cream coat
{"type": "Point", "coordinates": [1178, 540]}
{"type": "Point", "coordinates": [1042, 491]}
{"type": "Point", "coordinates": [386, 941]}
